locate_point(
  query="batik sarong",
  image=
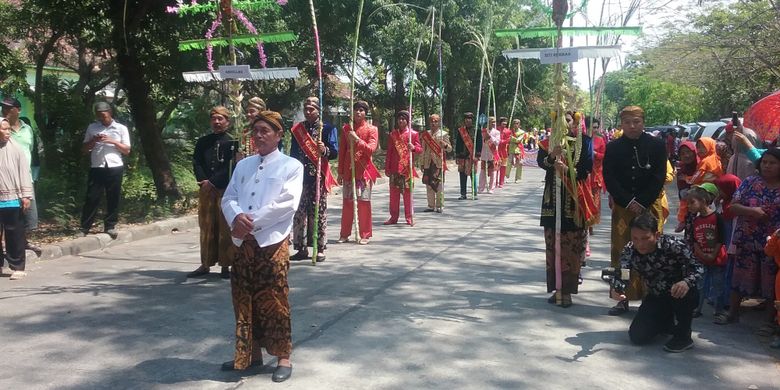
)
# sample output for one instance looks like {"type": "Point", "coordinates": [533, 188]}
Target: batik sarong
{"type": "Point", "coordinates": [303, 222]}
{"type": "Point", "coordinates": [215, 243]}
{"type": "Point", "coordinates": [259, 288]}
{"type": "Point", "coordinates": [621, 235]}
{"type": "Point", "coordinates": [572, 256]}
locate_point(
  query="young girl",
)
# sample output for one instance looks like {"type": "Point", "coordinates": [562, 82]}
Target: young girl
{"type": "Point", "coordinates": [708, 240]}
{"type": "Point", "coordinates": [709, 167]}
{"type": "Point", "coordinates": [772, 248]}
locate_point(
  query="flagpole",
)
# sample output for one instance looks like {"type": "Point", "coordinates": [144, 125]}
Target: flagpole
{"type": "Point", "coordinates": [440, 194]}
{"type": "Point", "coordinates": [356, 220]}
{"type": "Point", "coordinates": [318, 192]}
{"type": "Point", "coordinates": [430, 17]}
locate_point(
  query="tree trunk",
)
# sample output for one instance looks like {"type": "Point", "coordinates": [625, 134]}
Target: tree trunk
{"type": "Point", "coordinates": [51, 156]}
{"type": "Point", "coordinates": [399, 96]}
{"type": "Point", "coordinates": [132, 72]}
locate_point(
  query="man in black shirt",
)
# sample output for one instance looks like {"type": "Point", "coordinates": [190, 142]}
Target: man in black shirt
{"type": "Point", "coordinates": [214, 154]}
{"type": "Point", "coordinates": [671, 273]}
{"type": "Point", "coordinates": [634, 174]}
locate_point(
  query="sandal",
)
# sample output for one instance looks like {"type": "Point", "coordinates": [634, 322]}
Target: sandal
{"type": "Point", "coordinates": [767, 330]}
{"type": "Point", "coordinates": [18, 275]}
{"type": "Point", "coordinates": [725, 319]}
{"type": "Point", "coordinates": [566, 301]}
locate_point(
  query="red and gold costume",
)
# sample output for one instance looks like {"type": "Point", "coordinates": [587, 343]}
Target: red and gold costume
{"type": "Point", "coordinates": [365, 177]}
{"type": "Point", "coordinates": [399, 169]}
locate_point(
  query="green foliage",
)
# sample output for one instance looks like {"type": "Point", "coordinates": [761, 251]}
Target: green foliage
{"type": "Point", "coordinates": [664, 102]}
{"type": "Point", "coordinates": [731, 54]}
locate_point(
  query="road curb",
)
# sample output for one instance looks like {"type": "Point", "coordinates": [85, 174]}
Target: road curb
{"type": "Point", "coordinates": [102, 241]}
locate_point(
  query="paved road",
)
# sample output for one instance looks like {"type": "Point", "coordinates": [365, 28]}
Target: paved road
{"type": "Point", "coordinates": [458, 301]}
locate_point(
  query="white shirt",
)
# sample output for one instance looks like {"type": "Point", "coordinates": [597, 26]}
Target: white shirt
{"type": "Point", "coordinates": [267, 189]}
{"type": "Point", "coordinates": [494, 137]}
{"type": "Point", "coordinates": [103, 154]}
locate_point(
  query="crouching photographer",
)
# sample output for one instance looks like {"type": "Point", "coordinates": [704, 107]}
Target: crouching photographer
{"type": "Point", "coordinates": [670, 272]}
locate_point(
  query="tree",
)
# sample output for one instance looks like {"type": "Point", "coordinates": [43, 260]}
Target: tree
{"type": "Point", "coordinates": [731, 54]}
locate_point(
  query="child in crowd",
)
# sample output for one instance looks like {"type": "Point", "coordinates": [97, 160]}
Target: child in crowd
{"type": "Point", "coordinates": [727, 186]}
{"type": "Point", "coordinates": [708, 244]}
{"type": "Point", "coordinates": [772, 248]}
{"type": "Point", "coordinates": [708, 169]}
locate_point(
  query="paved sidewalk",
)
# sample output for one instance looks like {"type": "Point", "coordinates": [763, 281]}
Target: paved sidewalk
{"type": "Point", "coordinates": [458, 301]}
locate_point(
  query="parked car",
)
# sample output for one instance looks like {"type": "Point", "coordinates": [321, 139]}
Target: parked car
{"type": "Point", "coordinates": [708, 129]}
{"type": "Point", "coordinates": [691, 128]}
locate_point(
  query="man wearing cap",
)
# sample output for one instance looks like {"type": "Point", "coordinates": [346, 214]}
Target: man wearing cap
{"type": "Point", "coordinates": [310, 148]}
{"type": "Point", "coordinates": [404, 143]}
{"type": "Point", "coordinates": [254, 106]}
{"type": "Point", "coordinates": [634, 174]}
{"type": "Point", "coordinates": [358, 146]}
{"type": "Point", "coordinates": [464, 152]}
{"type": "Point", "coordinates": [259, 205]}
{"type": "Point", "coordinates": [106, 141]}
{"type": "Point", "coordinates": [15, 195]}
{"type": "Point", "coordinates": [214, 154]}
{"type": "Point", "coordinates": [24, 137]}
{"type": "Point", "coordinates": [436, 144]}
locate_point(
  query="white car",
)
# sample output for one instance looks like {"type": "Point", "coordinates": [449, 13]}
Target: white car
{"type": "Point", "coordinates": [708, 129]}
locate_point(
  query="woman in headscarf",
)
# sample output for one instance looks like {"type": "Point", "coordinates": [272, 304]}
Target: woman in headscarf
{"type": "Point", "coordinates": [709, 167]}
{"type": "Point", "coordinates": [740, 165]}
{"type": "Point", "coordinates": [574, 219]}
{"type": "Point", "coordinates": [757, 204]}
{"type": "Point", "coordinates": [751, 152]}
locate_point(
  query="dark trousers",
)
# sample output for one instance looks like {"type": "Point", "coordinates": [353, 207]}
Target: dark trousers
{"type": "Point", "coordinates": [664, 314]}
{"type": "Point", "coordinates": [463, 177]}
{"type": "Point", "coordinates": [13, 231]}
{"type": "Point", "coordinates": [99, 180]}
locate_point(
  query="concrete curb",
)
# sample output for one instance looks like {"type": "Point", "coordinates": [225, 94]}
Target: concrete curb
{"type": "Point", "coordinates": [101, 241]}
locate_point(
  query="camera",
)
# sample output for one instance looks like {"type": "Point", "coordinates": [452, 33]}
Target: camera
{"type": "Point", "coordinates": [735, 119]}
{"type": "Point", "coordinates": [616, 278]}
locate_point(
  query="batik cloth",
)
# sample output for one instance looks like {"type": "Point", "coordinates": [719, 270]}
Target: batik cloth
{"type": "Point", "coordinates": [465, 165]}
{"type": "Point", "coordinates": [621, 235]}
{"type": "Point", "coordinates": [303, 222]}
{"type": "Point", "coordinates": [260, 300]}
{"type": "Point", "coordinates": [572, 256]}
{"type": "Point", "coordinates": [216, 247]}
{"type": "Point", "coordinates": [398, 181]}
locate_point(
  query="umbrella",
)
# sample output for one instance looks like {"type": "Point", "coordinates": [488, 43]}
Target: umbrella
{"type": "Point", "coordinates": [764, 117]}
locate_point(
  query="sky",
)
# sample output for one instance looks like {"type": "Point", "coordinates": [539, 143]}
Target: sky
{"type": "Point", "coordinates": [651, 21]}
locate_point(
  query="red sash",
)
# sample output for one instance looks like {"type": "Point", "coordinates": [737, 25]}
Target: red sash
{"type": "Point", "coordinates": [403, 152]}
{"type": "Point", "coordinates": [312, 151]}
{"type": "Point", "coordinates": [586, 205]}
{"type": "Point", "coordinates": [362, 160]}
{"type": "Point", "coordinates": [434, 145]}
{"type": "Point", "coordinates": [464, 134]}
